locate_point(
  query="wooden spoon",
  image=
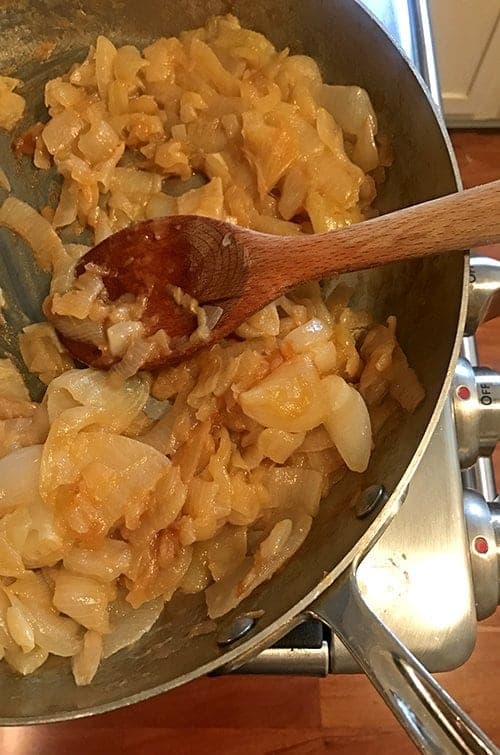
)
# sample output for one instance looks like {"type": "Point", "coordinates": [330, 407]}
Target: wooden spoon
{"type": "Point", "coordinates": [241, 271]}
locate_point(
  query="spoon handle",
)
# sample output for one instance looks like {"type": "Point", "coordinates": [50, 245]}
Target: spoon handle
{"type": "Point", "coordinates": [454, 222]}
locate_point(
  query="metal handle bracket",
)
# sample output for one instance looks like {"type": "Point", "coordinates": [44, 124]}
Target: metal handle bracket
{"type": "Point", "coordinates": [432, 719]}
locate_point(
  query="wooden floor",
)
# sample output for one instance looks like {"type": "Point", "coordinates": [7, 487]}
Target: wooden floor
{"type": "Point", "coordinates": [254, 715]}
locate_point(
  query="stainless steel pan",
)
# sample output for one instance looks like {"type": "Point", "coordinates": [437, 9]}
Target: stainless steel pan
{"type": "Point", "coordinates": [428, 298]}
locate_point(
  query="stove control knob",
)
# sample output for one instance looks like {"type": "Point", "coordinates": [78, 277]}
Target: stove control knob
{"type": "Point", "coordinates": [484, 292]}
{"type": "Point", "coordinates": [483, 529]}
{"type": "Point", "coordinates": [476, 404]}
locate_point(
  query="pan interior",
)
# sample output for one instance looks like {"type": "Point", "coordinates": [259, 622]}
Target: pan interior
{"type": "Point", "coordinates": [425, 296]}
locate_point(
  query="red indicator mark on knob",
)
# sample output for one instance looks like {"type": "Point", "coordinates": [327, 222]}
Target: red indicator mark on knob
{"type": "Point", "coordinates": [463, 392]}
{"type": "Point", "coordinates": [481, 545]}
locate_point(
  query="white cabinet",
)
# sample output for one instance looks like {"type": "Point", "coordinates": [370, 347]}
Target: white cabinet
{"type": "Point", "coordinates": [467, 40]}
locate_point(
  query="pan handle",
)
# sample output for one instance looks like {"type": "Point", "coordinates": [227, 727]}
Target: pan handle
{"type": "Point", "coordinates": [432, 719]}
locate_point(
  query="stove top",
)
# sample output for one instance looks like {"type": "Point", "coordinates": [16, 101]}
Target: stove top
{"type": "Point", "coordinates": [434, 570]}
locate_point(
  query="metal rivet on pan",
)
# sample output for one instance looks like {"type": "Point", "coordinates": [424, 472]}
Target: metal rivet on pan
{"type": "Point", "coordinates": [236, 630]}
{"type": "Point", "coordinates": [370, 499]}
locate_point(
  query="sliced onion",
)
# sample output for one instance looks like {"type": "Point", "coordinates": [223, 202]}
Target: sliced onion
{"type": "Point", "coordinates": [54, 633]}
{"type": "Point", "coordinates": [20, 629]}
{"type": "Point", "coordinates": [76, 251]}
{"type": "Point", "coordinates": [41, 157]}
{"type": "Point", "coordinates": [99, 143]}
{"type": "Point", "coordinates": [128, 624]}
{"type": "Point", "coordinates": [307, 336]}
{"type": "Point", "coordinates": [66, 210]}
{"type": "Point", "coordinates": [291, 398]}
{"type": "Point", "coordinates": [282, 542]}
{"type": "Point", "coordinates": [87, 331]}
{"type": "Point", "coordinates": [161, 205]}
{"type": "Point", "coordinates": [348, 423]}
{"type": "Point", "coordinates": [11, 104]}
{"type": "Point", "coordinates": [105, 561]}
{"type": "Point", "coordinates": [25, 663]}
{"type": "Point", "coordinates": [21, 218]}
{"type": "Point", "coordinates": [213, 315]}
{"type": "Point", "coordinates": [4, 181]}
{"type": "Point", "coordinates": [11, 382]}
{"type": "Point", "coordinates": [19, 477]}
{"type": "Point", "coordinates": [226, 550]}
{"type": "Point", "coordinates": [103, 227]}
{"type": "Point", "coordinates": [86, 662]}
{"type": "Point", "coordinates": [121, 335]}
{"type": "Point", "coordinates": [105, 54]}
{"type": "Point", "coordinates": [83, 599]}
{"type": "Point", "coordinates": [61, 131]}
{"type": "Point", "coordinates": [134, 358]}
{"type": "Point", "coordinates": [352, 110]}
